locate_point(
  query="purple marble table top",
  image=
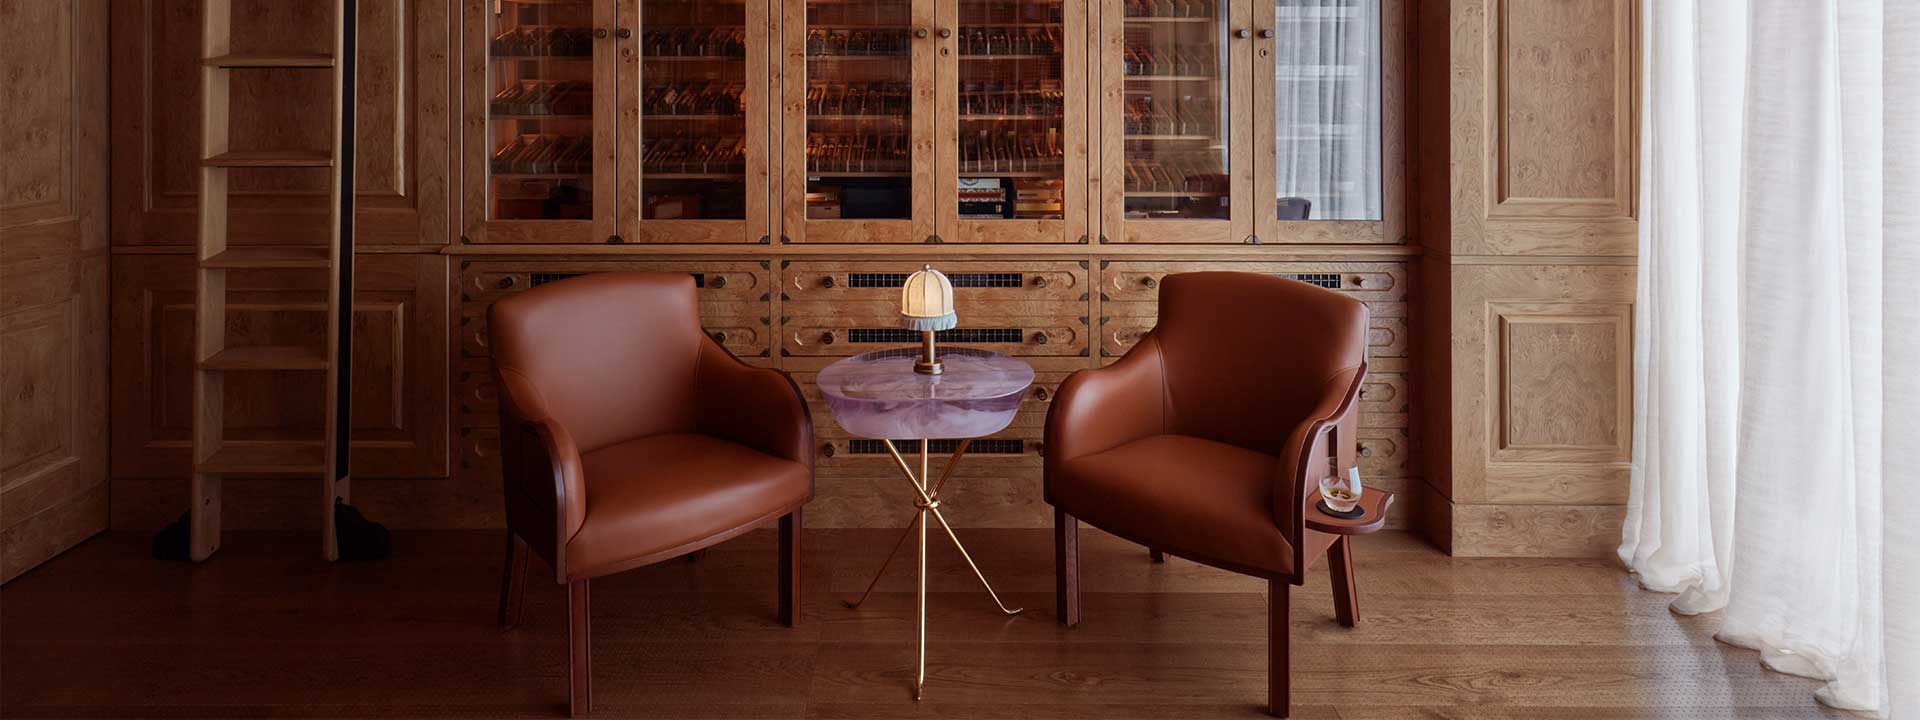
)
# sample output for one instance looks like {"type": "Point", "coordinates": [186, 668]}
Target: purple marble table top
{"type": "Point", "coordinates": [878, 395]}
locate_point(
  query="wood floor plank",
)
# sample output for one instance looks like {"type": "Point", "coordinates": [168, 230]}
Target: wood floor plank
{"type": "Point", "coordinates": [268, 629]}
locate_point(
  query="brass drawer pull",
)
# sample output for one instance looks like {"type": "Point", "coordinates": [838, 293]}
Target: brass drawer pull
{"type": "Point", "coordinates": [716, 282]}
{"type": "Point", "coordinates": [505, 282]}
{"type": "Point", "coordinates": [1150, 282]}
{"type": "Point", "coordinates": [720, 336]}
{"type": "Point", "coordinates": [1366, 450]}
{"type": "Point", "coordinates": [826, 338]}
{"type": "Point", "coordinates": [826, 282]}
{"type": "Point", "coordinates": [1040, 394]}
{"type": "Point", "coordinates": [826, 449]}
{"type": "Point", "coordinates": [1039, 281]}
{"type": "Point", "coordinates": [1040, 338]}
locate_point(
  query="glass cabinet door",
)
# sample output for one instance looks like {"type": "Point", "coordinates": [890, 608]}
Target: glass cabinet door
{"type": "Point", "coordinates": [1176, 77]}
{"type": "Point", "coordinates": [859, 121]}
{"type": "Point", "coordinates": [1012, 107]}
{"type": "Point", "coordinates": [1317, 66]}
{"type": "Point", "coordinates": [691, 127]}
{"type": "Point", "coordinates": [536, 163]}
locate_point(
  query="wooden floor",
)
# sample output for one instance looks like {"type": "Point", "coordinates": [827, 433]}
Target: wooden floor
{"type": "Point", "coordinates": [268, 628]}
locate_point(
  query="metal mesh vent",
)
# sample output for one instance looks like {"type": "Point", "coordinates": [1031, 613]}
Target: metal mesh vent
{"type": "Point", "coordinates": [699, 279]}
{"type": "Point", "coordinates": [960, 280]}
{"type": "Point", "coordinates": [956, 335]}
{"type": "Point", "coordinates": [1330, 281]}
{"type": "Point", "coordinates": [984, 446]}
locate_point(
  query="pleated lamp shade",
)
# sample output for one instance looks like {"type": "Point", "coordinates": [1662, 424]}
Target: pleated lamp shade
{"type": "Point", "coordinates": [926, 301]}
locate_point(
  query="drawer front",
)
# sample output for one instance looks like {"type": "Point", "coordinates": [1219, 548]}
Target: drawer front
{"type": "Point", "coordinates": [1386, 337]}
{"type": "Point", "coordinates": [1384, 401]}
{"type": "Point", "coordinates": [975, 284]}
{"type": "Point", "coordinates": [851, 333]}
{"type": "Point", "coordinates": [1384, 452]}
{"type": "Point", "coordinates": [1369, 282]}
{"type": "Point", "coordinates": [734, 296]}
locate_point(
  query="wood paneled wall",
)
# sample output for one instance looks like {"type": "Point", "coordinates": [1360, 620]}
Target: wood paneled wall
{"type": "Point", "coordinates": [1500, 281]}
{"type": "Point", "coordinates": [1524, 127]}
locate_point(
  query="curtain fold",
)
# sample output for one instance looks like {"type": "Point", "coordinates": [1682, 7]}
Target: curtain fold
{"type": "Point", "coordinates": [1327, 106]}
{"type": "Point", "coordinates": [1775, 341]}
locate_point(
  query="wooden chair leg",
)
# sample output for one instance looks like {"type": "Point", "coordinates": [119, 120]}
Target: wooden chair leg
{"type": "Point", "coordinates": [1346, 597]}
{"type": "Point", "coordinates": [513, 581]}
{"type": "Point", "coordinates": [579, 652]}
{"type": "Point", "coordinates": [790, 568]}
{"type": "Point", "coordinates": [1066, 564]}
{"type": "Point", "coordinates": [1157, 556]}
{"type": "Point", "coordinates": [1279, 660]}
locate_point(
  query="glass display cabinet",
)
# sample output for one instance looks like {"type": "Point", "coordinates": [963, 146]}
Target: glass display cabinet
{"type": "Point", "coordinates": [918, 121]}
{"type": "Point", "coordinates": [614, 122]}
{"type": "Point", "coordinates": [1318, 71]}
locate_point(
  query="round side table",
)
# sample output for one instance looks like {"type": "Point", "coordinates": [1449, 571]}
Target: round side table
{"type": "Point", "coordinates": [878, 395]}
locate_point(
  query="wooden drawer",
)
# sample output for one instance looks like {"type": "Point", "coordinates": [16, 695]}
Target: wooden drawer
{"type": "Point", "coordinates": [734, 296]}
{"type": "Point", "coordinates": [1121, 327]}
{"type": "Point", "coordinates": [1384, 452]}
{"type": "Point", "coordinates": [1384, 400]}
{"type": "Point", "coordinates": [975, 284]}
{"type": "Point", "coordinates": [1367, 281]}
{"type": "Point", "coordinates": [857, 331]}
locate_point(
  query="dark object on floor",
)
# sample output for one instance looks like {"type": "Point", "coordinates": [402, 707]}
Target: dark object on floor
{"type": "Point", "coordinates": [172, 542]}
{"type": "Point", "coordinates": [359, 538]}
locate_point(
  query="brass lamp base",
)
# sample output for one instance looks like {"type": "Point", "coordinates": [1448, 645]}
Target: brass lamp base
{"type": "Point", "coordinates": [928, 364]}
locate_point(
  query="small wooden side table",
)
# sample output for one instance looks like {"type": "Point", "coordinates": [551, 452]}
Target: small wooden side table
{"type": "Point", "coordinates": [1373, 503]}
{"type": "Point", "coordinates": [878, 395]}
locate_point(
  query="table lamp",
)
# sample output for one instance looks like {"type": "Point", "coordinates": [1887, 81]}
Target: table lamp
{"type": "Point", "coordinates": [926, 304]}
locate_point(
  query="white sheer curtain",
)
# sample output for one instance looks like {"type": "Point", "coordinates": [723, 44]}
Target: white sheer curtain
{"type": "Point", "coordinates": [1777, 345]}
{"type": "Point", "coordinates": [1327, 106]}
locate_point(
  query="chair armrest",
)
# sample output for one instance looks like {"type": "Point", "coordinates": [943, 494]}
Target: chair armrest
{"type": "Point", "coordinates": [1100, 409]}
{"type": "Point", "coordinates": [1307, 456]}
{"type": "Point", "coordinates": [756, 407]}
{"type": "Point", "coordinates": [540, 464]}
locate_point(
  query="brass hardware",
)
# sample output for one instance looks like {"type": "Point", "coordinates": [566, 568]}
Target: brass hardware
{"type": "Point", "coordinates": [826, 449]}
{"type": "Point", "coordinates": [1040, 394]}
{"type": "Point", "coordinates": [600, 33]}
{"type": "Point", "coordinates": [615, 239]}
{"type": "Point", "coordinates": [934, 239]}
{"type": "Point", "coordinates": [1266, 34]}
{"type": "Point", "coordinates": [505, 282]}
{"type": "Point", "coordinates": [1243, 33]}
{"type": "Point", "coordinates": [826, 282]}
{"type": "Point", "coordinates": [1359, 281]}
{"type": "Point", "coordinates": [717, 282]}
{"type": "Point", "coordinates": [765, 239]}
{"type": "Point", "coordinates": [1040, 338]}
{"type": "Point", "coordinates": [1364, 393]}
{"type": "Point", "coordinates": [623, 33]}
{"type": "Point", "coordinates": [929, 363]}
{"type": "Point", "coordinates": [720, 336]}
{"type": "Point", "coordinates": [1040, 281]}
{"type": "Point", "coordinates": [1253, 239]}
{"type": "Point", "coordinates": [920, 33]}
{"type": "Point", "coordinates": [1150, 282]}
{"type": "Point", "coordinates": [1040, 448]}
{"type": "Point", "coordinates": [946, 33]}
{"type": "Point", "coordinates": [826, 338]}
{"type": "Point", "coordinates": [1365, 451]}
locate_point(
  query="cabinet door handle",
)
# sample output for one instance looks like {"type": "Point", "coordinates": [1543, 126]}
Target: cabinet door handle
{"type": "Point", "coordinates": [920, 33]}
{"type": "Point", "coordinates": [599, 33]}
{"type": "Point", "coordinates": [1266, 34]}
{"type": "Point", "coordinates": [1243, 33]}
{"type": "Point", "coordinates": [946, 33]}
{"type": "Point", "coordinates": [623, 33]}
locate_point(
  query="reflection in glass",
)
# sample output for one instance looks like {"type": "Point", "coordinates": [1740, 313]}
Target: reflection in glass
{"type": "Point", "coordinates": [1175, 109]}
{"type": "Point", "coordinates": [693, 146]}
{"type": "Point", "coordinates": [859, 91]}
{"type": "Point", "coordinates": [1012, 110]}
{"type": "Point", "coordinates": [1327, 109]}
{"type": "Point", "coordinates": [540, 115]}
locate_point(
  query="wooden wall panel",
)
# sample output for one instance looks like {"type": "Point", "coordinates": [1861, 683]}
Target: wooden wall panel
{"type": "Point", "coordinates": [404, 97]}
{"type": "Point", "coordinates": [400, 371]}
{"type": "Point", "coordinates": [53, 279]}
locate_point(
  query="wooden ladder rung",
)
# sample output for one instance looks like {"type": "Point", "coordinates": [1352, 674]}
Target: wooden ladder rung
{"type": "Point", "coordinates": [270, 60]}
{"type": "Point", "coordinates": [268, 357]}
{"type": "Point", "coordinates": [270, 158]}
{"type": "Point", "coordinates": [267, 458]}
{"type": "Point", "coordinates": [271, 256]}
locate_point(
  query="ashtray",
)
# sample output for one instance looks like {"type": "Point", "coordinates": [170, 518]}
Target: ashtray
{"type": "Point", "coordinates": [1356, 513]}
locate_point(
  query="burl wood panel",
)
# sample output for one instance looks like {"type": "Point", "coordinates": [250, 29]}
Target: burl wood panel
{"type": "Point", "coordinates": [53, 279]}
{"type": "Point", "coordinates": [404, 104]}
{"type": "Point", "coordinates": [400, 350]}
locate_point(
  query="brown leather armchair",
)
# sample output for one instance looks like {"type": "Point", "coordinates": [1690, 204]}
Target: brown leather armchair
{"type": "Point", "coordinates": [1208, 438]}
{"type": "Point", "coordinates": [629, 437]}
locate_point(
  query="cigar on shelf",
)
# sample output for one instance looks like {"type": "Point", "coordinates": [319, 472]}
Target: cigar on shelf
{"type": "Point", "coordinates": [540, 154]}
{"type": "Point", "coordinates": [1193, 116]}
{"type": "Point", "coordinates": [542, 42]}
{"type": "Point", "coordinates": [868, 98]}
{"type": "Point", "coordinates": [693, 154]}
{"type": "Point", "coordinates": [1169, 8]}
{"type": "Point", "coordinates": [534, 97]}
{"type": "Point", "coordinates": [693, 98]}
{"type": "Point", "coordinates": [718, 42]}
{"type": "Point", "coordinates": [874, 153]}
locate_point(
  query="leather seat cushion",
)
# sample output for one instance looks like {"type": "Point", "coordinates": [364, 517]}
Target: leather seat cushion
{"type": "Point", "coordinates": [657, 493]}
{"type": "Point", "coordinates": [1183, 494]}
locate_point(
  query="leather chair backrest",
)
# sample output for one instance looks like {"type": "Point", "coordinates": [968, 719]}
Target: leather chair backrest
{"type": "Point", "coordinates": [1247, 356]}
{"type": "Point", "coordinates": [609, 356]}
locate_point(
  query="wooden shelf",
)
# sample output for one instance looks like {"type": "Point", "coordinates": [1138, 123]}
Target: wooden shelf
{"type": "Point", "coordinates": [267, 357]}
{"type": "Point", "coordinates": [266, 458]}
{"type": "Point", "coordinates": [270, 158]}
{"type": "Point", "coordinates": [267, 60]}
{"type": "Point", "coordinates": [271, 256]}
